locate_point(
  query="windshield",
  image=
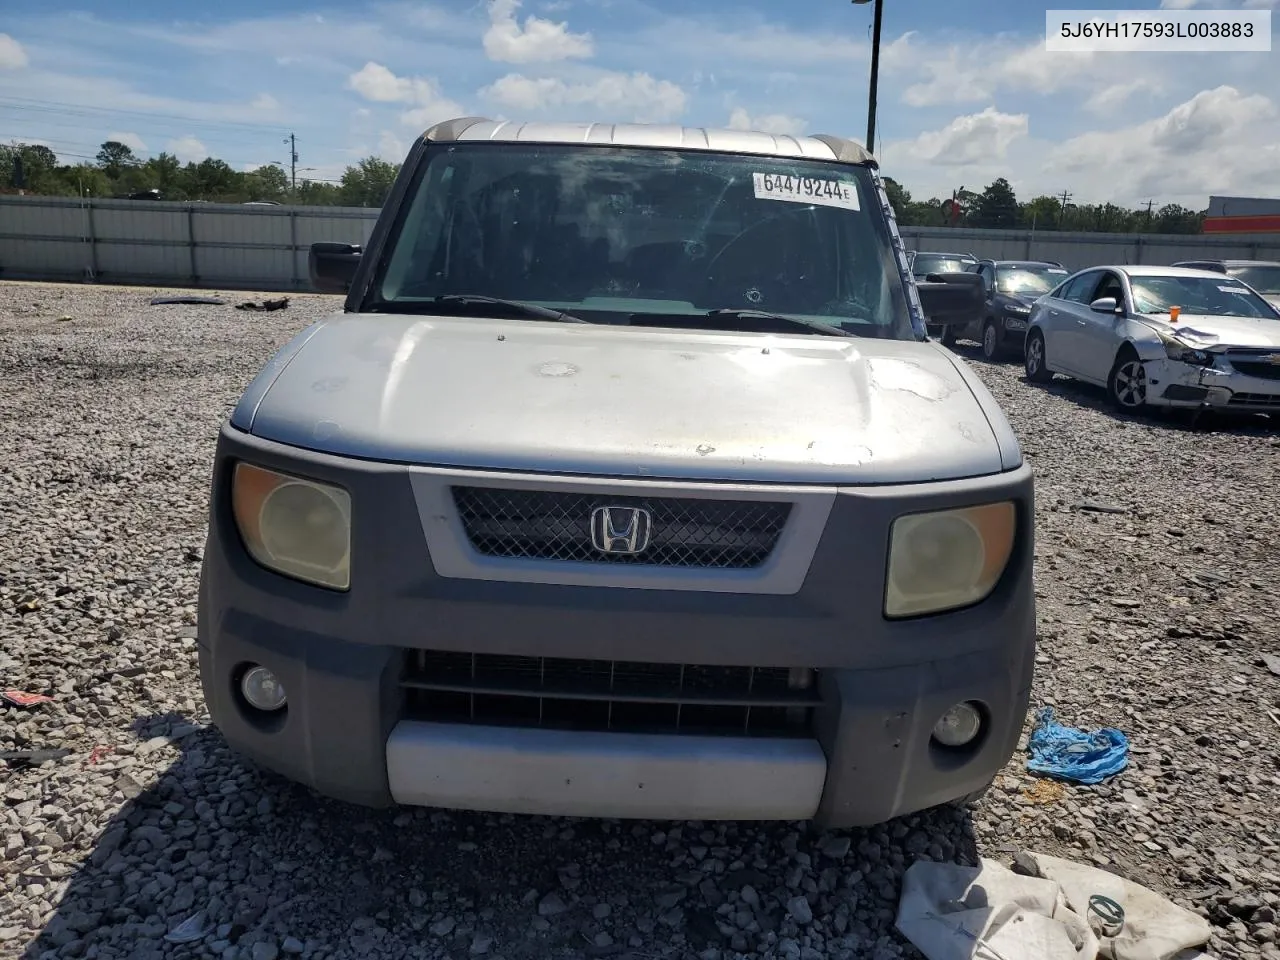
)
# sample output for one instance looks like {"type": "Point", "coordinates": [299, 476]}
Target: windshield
{"type": "Point", "coordinates": [1203, 296]}
{"type": "Point", "coordinates": [927, 263]}
{"type": "Point", "coordinates": [645, 236]}
{"type": "Point", "coordinates": [1264, 279]}
{"type": "Point", "coordinates": [1028, 280]}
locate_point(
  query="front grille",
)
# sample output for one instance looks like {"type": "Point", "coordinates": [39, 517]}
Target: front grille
{"type": "Point", "coordinates": [1254, 399]}
{"type": "Point", "coordinates": [1258, 368]}
{"type": "Point", "coordinates": [604, 695]}
{"type": "Point", "coordinates": [549, 525]}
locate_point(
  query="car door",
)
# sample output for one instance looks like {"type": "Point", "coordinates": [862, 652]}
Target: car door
{"type": "Point", "coordinates": [1063, 320]}
{"type": "Point", "coordinates": [1100, 333]}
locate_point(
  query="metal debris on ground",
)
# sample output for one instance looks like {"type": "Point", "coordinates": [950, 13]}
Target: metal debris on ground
{"type": "Point", "coordinates": [264, 305]}
{"type": "Point", "coordinates": [1099, 506]}
{"type": "Point", "coordinates": [186, 298]}
{"type": "Point", "coordinates": [1076, 755]}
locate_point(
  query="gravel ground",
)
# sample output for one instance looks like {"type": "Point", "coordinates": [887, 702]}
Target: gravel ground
{"type": "Point", "coordinates": [1153, 619]}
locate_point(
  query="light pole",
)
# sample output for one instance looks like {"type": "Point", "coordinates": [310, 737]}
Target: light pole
{"type": "Point", "coordinates": [875, 73]}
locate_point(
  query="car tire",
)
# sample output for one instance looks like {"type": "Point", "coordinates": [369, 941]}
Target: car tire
{"type": "Point", "coordinates": [1035, 360]}
{"type": "Point", "coordinates": [1127, 382]}
{"type": "Point", "coordinates": [992, 348]}
{"type": "Point", "coordinates": [948, 337]}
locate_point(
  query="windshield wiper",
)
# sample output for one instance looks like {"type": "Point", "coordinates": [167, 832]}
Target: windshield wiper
{"type": "Point", "coordinates": [805, 326]}
{"type": "Point", "coordinates": [513, 308]}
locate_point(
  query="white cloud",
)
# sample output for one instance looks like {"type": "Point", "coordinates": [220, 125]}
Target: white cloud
{"type": "Point", "coordinates": [1116, 95]}
{"type": "Point", "coordinates": [375, 82]}
{"type": "Point", "coordinates": [775, 123]}
{"type": "Point", "coordinates": [637, 95]}
{"type": "Point", "coordinates": [12, 56]}
{"type": "Point", "coordinates": [265, 101]}
{"type": "Point", "coordinates": [429, 105]}
{"type": "Point", "coordinates": [976, 139]}
{"type": "Point", "coordinates": [187, 149]}
{"type": "Point", "coordinates": [536, 41]}
{"type": "Point", "coordinates": [130, 140]}
{"type": "Point", "coordinates": [974, 72]}
{"type": "Point", "coordinates": [1219, 141]}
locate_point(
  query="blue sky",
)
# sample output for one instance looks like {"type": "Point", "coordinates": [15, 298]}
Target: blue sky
{"type": "Point", "coordinates": [967, 92]}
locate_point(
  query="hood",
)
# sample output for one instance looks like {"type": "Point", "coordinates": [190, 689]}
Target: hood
{"type": "Point", "coordinates": [624, 401]}
{"type": "Point", "coordinates": [1221, 331]}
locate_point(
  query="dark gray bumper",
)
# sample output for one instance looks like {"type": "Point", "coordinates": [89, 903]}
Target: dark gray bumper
{"type": "Point", "coordinates": [883, 684]}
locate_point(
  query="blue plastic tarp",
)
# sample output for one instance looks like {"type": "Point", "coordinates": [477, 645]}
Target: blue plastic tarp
{"type": "Point", "coordinates": [1077, 755]}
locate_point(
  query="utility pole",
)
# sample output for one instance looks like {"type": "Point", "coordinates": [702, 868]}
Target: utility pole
{"type": "Point", "coordinates": [1150, 204]}
{"type": "Point", "coordinates": [878, 16]}
{"type": "Point", "coordinates": [1062, 217]}
{"type": "Point", "coordinates": [292, 141]}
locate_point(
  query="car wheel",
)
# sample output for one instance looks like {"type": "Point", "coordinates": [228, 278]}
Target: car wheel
{"type": "Point", "coordinates": [1034, 359]}
{"type": "Point", "coordinates": [991, 345]}
{"type": "Point", "coordinates": [1127, 384]}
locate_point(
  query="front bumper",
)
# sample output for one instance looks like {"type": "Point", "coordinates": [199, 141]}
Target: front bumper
{"type": "Point", "coordinates": [355, 727]}
{"type": "Point", "coordinates": [1176, 384]}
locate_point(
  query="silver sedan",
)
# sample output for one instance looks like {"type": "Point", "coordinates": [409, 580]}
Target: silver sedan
{"type": "Point", "coordinates": [1159, 337]}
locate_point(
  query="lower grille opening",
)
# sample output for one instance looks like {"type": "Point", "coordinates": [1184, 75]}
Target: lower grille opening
{"type": "Point", "coordinates": [608, 695]}
{"type": "Point", "coordinates": [1254, 399]}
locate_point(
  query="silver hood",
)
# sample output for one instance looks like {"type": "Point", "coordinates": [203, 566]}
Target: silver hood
{"type": "Point", "coordinates": [635, 402]}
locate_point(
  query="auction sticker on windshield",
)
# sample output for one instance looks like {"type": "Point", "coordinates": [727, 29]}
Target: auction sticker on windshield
{"type": "Point", "coordinates": [827, 193]}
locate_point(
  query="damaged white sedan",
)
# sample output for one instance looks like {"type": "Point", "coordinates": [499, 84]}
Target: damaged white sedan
{"type": "Point", "coordinates": [1159, 337]}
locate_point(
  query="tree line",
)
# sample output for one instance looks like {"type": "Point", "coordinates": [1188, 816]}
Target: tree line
{"type": "Point", "coordinates": [997, 207]}
{"type": "Point", "coordinates": [118, 172]}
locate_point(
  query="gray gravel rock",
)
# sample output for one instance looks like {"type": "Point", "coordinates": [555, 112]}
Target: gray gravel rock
{"type": "Point", "coordinates": [1156, 568]}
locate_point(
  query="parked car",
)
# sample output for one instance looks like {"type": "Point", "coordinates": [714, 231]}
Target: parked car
{"type": "Point", "coordinates": [1262, 275]}
{"type": "Point", "coordinates": [1010, 287]}
{"type": "Point", "coordinates": [1160, 337]}
{"type": "Point", "coordinates": [926, 263]}
{"type": "Point", "coordinates": [627, 484]}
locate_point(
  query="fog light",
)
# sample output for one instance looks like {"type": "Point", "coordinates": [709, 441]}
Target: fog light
{"type": "Point", "coordinates": [262, 689]}
{"type": "Point", "coordinates": [958, 726]}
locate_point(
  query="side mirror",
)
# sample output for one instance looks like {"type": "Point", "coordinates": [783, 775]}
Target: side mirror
{"type": "Point", "coordinates": [1105, 305]}
{"type": "Point", "coordinates": [333, 266]}
{"type": "Point", "coordinates": [952, 298]}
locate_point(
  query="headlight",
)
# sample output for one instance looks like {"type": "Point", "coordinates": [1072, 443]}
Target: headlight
{"type": "Point", "coordinates": [948, 559]}
{"type": "Point", "coordinates": [1017, 309]}
{"type": "Point", "coordinates": [294, 526]}
{"type": "Point", "coordinates": [1180, 351]}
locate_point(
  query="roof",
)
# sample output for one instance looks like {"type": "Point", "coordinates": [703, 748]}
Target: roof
{"type": "Point", "coordinates": [1024, 263]}
{"type": "Point", "coordinates": [662, 136]}
{"type": "Point", "coordinates": [1235, 263]}
{"type": "Point", "coordinates": [1148, 270]}
{"type": "Point", "coordinates": [953, 256]}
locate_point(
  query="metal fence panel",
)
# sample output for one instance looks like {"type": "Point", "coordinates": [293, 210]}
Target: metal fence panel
{"type": "Point", "coordinates": [265, 247]}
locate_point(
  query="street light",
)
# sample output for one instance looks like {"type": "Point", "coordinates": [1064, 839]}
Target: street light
{"type": "Point", "coordinates": [875, 74]}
